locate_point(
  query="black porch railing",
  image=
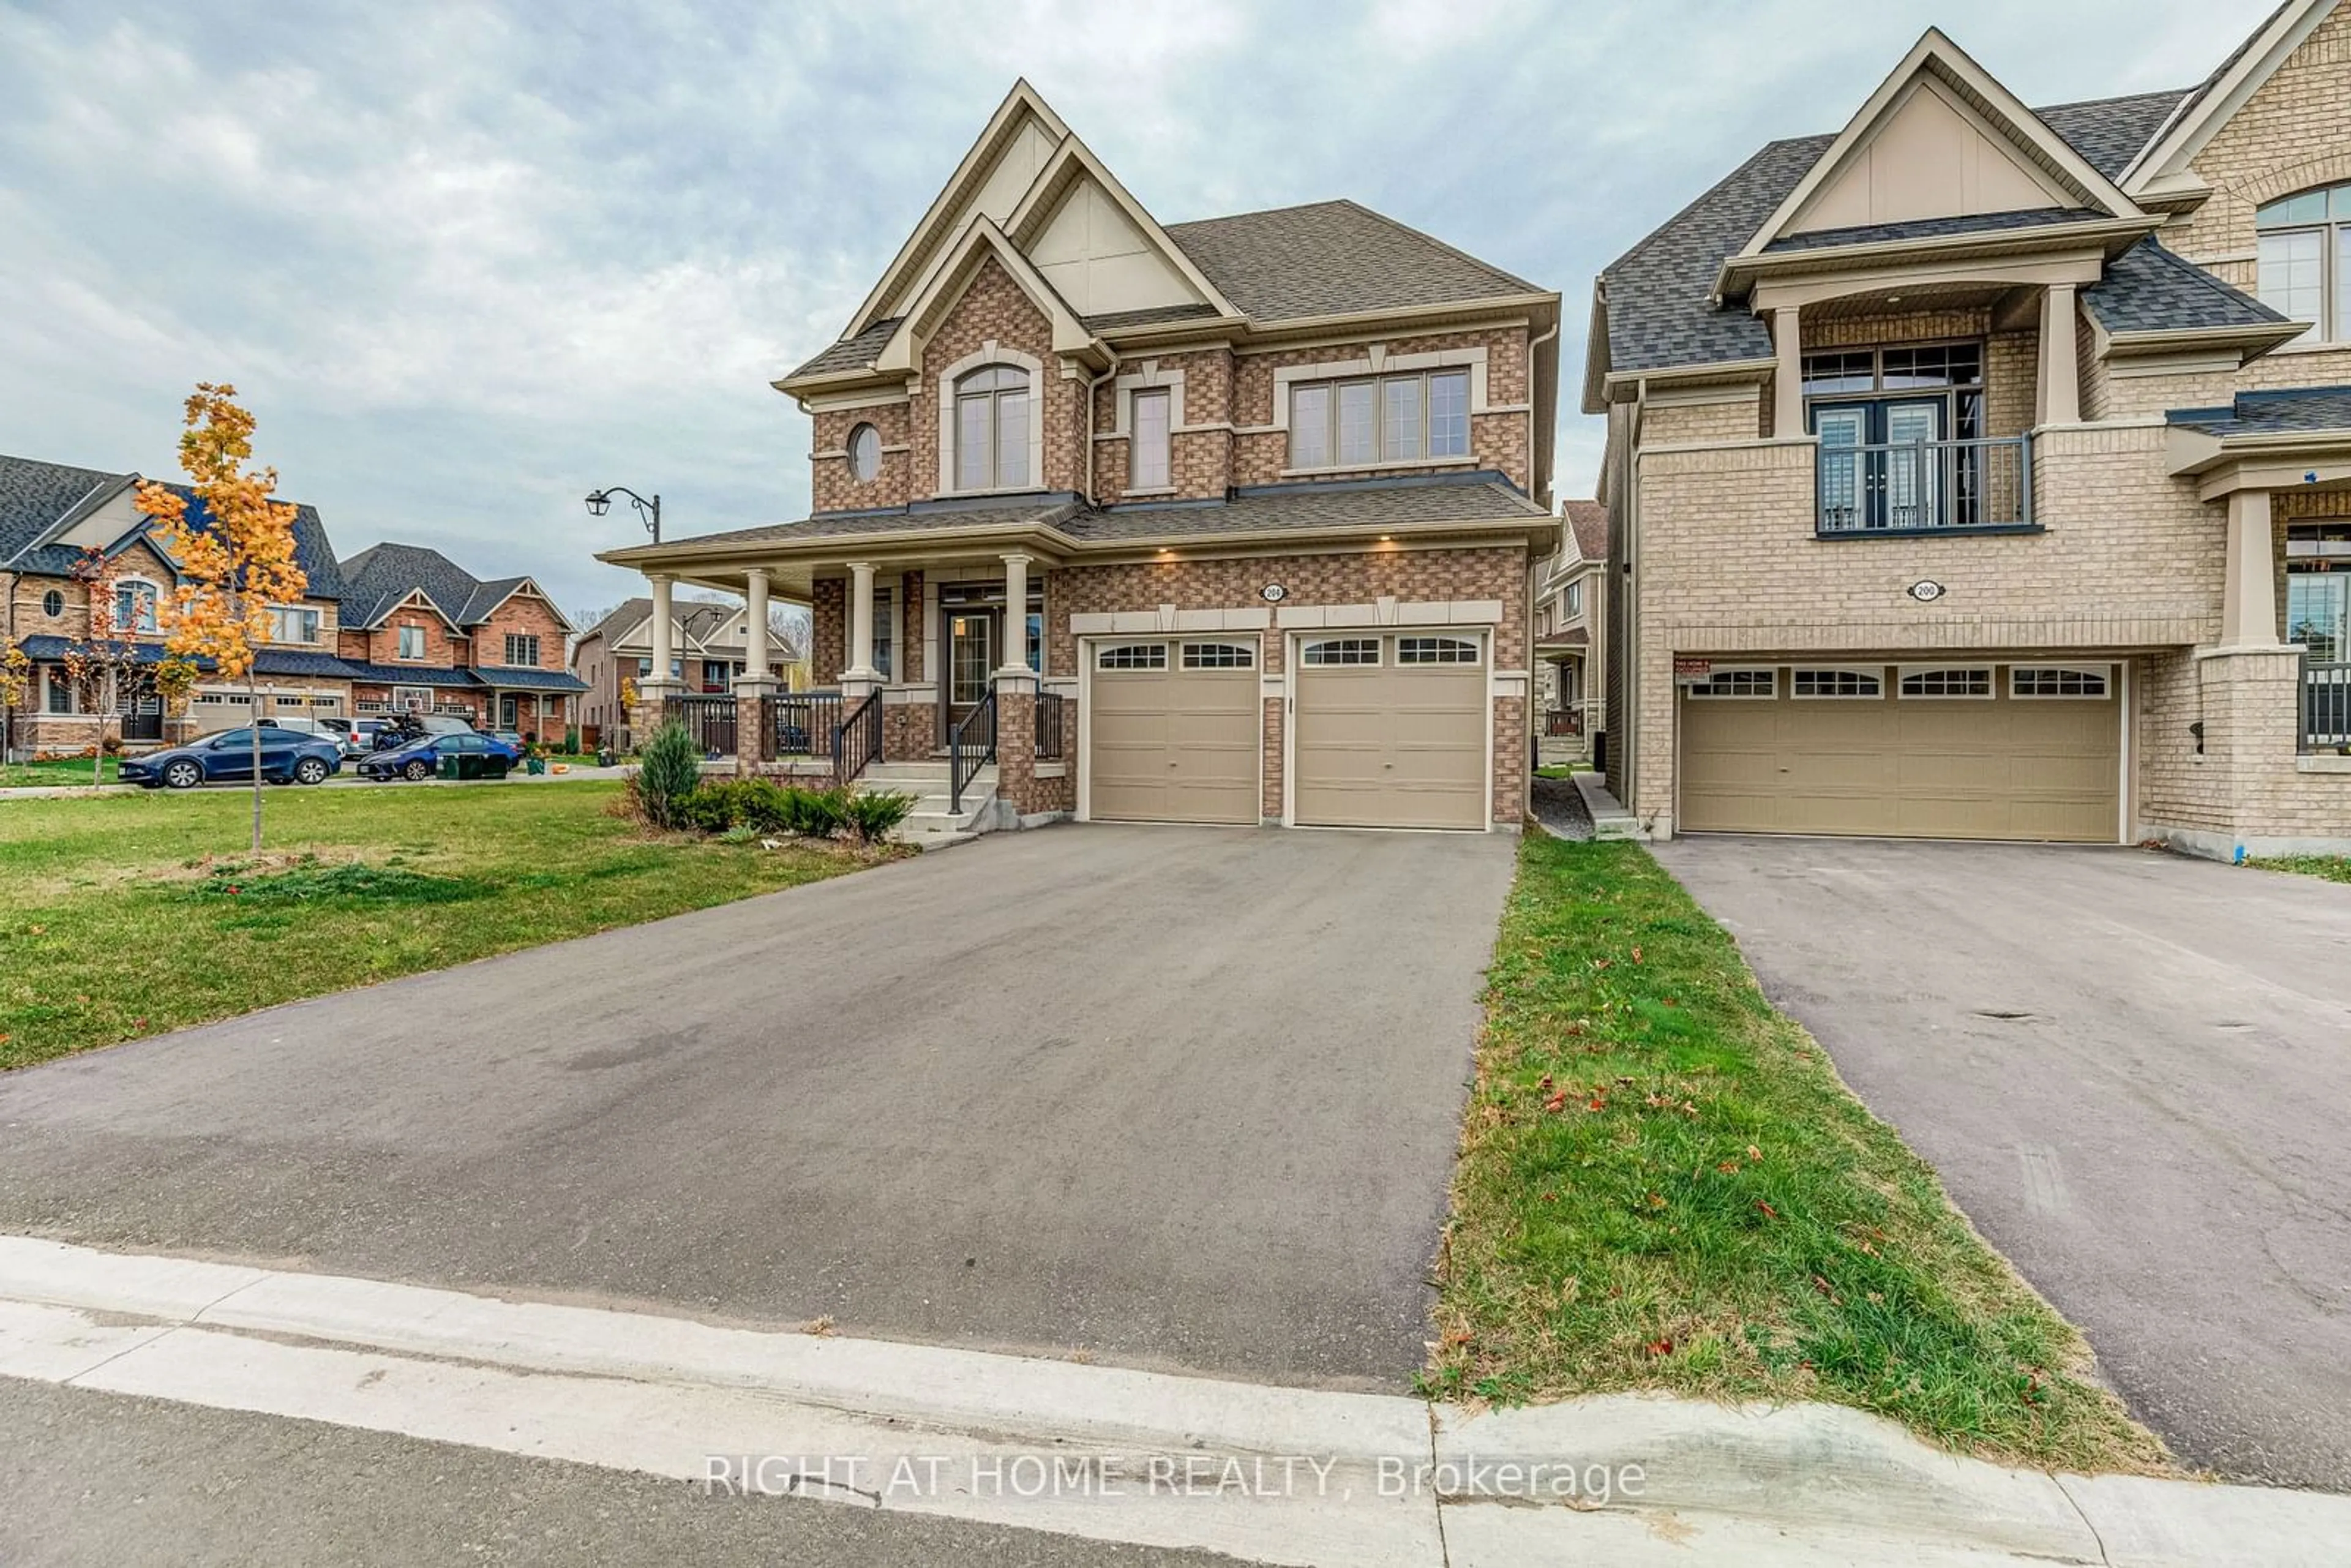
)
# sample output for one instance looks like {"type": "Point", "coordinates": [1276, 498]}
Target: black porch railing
{"type": "Point", "coordinates": [710, 720]}
{"type": "Point", "coordinates": [857, 740]}
{"type": "Point", "coordinates": [1052, 710]}
{"type": "Point", "coordinates": [2325, 706]}
{"type": "Point", "coordinates": [1923, 487]}
{"type": "Point", "coordinates": [971, 745]}
{"type": "Point", "coordinates": [804, 723]}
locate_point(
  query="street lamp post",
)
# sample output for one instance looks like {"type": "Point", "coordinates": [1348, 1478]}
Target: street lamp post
{"type": "Point", "coordinates": [601, 501]}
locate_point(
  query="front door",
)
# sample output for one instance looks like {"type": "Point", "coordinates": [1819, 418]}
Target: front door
{"type": "Point", "coordinates": [509, 712]}
{"type": "Point", "coordinates": [971, 661]}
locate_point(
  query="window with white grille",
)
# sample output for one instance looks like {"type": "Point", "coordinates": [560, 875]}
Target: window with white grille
{"type": "Point", "coordinates": [1132, 657]}
{"type": "Point", "coordinates": [1739, 684]}
{"type": "Point", "coordinates": [1219, 656]}
{"type": "Point", "coordinates": [1972, 682]}
{"type": "Point", "coordinates": [1818, 684]}
{"type": "Point", "coordinates": [1437, 651]}
{"type": "Point", "coordinates": [2055, 682]}
{"type": "Point", "coordinates": [1343, 651]}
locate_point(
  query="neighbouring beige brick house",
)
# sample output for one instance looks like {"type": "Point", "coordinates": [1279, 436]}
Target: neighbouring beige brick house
{"type": "Point", "coordinates": [1981, 472]}
{"type": "Point", "coordinates": [1225, 521]}
{"type": "Point", "coordinates": [1571, 598]}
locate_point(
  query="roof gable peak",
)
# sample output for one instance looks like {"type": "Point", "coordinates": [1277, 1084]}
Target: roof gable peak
{"type": "Point", "coordinates": [945, 285]}
{"type": "Point", "coordinates": [1940, 137]}
{"type": "Point", "coordinates": [2164, 166]}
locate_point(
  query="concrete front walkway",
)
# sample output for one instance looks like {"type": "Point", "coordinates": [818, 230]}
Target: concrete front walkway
{"type": "Point", "coordinates": [2132, 1071]}
{"type": "Point", "coordinates": [1182, 1097]}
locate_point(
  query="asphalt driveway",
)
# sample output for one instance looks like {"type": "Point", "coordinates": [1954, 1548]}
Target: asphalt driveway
{"type": "Point", "coordinates": [2133, 1072]}
{"type": "Point", "coordinates": [1182, 1097]}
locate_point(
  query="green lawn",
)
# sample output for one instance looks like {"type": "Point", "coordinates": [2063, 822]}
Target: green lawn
{"type": "Point", "coordinates": [28, 775]}
{"type": "Point", "coordinates": [2333, 868]}
{"type": "Point", "coordinates": [1664, 1185]}
{"type": "Point", "coordinates": [124, 915]}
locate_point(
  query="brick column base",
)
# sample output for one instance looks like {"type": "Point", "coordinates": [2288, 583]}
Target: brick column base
{"type": "Point", "coordinates": [1016, 741]}
{"type": "Point", "coordinates": [755, 729]}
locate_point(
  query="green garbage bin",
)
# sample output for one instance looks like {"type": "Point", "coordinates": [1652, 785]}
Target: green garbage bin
{"type": "Point", "coordinates": [452, 765]}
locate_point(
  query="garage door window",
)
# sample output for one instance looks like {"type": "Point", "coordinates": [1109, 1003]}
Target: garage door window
{"type": "Point", "coordinates": [1958, 682]}
{"type": "Point", "coordinates": [1219, 656]}
{"type": "Point", "coordinates": [2056, 683]}
{"type": "Point", "coordinates": [1132, 657]}
{"type": "Point", "coordinates": [1813, 685]}
{"type": "Point", "coordinates": [1343, 651]}
{"type": "Point", "coordinates": [1435, 650]}
{"type": "Point", "coordinates": [1738, 684]}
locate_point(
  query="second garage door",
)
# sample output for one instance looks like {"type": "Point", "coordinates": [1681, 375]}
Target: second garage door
{"type": "Point", "coordinates": [1173, 732]}
{"type": "Point", "coordinates": [1961, 751]}
{"type": "Point", "coordinates": [1391, 732]}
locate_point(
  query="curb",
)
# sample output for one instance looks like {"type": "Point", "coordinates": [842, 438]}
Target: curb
{"type": "Point", "coordinates": [1791, 1484]}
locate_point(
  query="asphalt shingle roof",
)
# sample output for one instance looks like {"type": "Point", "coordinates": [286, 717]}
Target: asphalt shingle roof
{"type": "Point", "coordinates": [1261, 508]}
{"type": "Point", "coordinates": [1588, 521]}
{"type": "Point", "coordinates": [1660, 312]}
{"type": "Point", "coordinates": [2301, 408]}
{"type": "Point", "coordinates": [1333, 259]}
{"type": "Point", "coordinates": [2149, 290]}
{"type": "Point", "coordinates": [410, 675]}
{"type": "Point", "coordinates": [1934, 228]}
{"type": "Point", "coordinates": [34, 494]}
{"type": "Point", "coordinates": [852, 353]}
{"type": "Point", "coordinates": [506, 677]}
{"type": "Point", "coordinates": [382, 575]}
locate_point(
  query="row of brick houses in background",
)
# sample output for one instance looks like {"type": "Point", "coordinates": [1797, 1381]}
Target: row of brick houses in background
{"type": "Point", "coordinates": [395, 627]}
{"type": "Point", "coordinates": [709, 650]}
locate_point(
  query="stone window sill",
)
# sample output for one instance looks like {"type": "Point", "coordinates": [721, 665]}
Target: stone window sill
{"type": "Point", "coordinates": [2322, 762]}
{"type": "Point", "coordinates": [1468, 460]}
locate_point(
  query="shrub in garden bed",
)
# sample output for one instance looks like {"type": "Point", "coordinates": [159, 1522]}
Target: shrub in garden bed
{"type": "Point", "coordinates": [722, 806]}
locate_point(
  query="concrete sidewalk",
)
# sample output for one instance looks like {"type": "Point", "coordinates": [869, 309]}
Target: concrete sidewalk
{"type": "Point", "coordinates": [1110, 1455]}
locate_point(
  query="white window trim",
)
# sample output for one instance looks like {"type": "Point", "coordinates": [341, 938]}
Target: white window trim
{"type": "Point", "coordinates": [1380, 362]}
{"type": "Point", "coordinates": [1126, 419]}
{"type": "Point", "coordinates": [1150, 378]}
{"type": "Point", "coordinates": [153, 586]}
{"type": "Point", "coordinates": [1874, 672]}
{"type": "Point", "coordinates": [1475, 645]}
{"type": "Point", "coordinates": [991, 352]}
{"type": "Point", "coordinates": [1248, 652]}
{"type": "Point", "coordinates": [1102, 651]}
{"type": "Point", "coordinates": [1990, 691]}
{"type": "Point", "coordinates": [2105, 672]}
{"type": "Point", "coordinates": [400, 640]}
{"type": "Point", "coordinates": [1699, 694]}
{"type": "Point", "coordinates": [849, 452]}
{"type": "Point", "coordinates": [277, 610]}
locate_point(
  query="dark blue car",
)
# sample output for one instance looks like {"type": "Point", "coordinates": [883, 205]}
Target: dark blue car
{"type": "Point", "coordinates": [288, 756]}
{"type": "Point", "coordinates": [477, 756]}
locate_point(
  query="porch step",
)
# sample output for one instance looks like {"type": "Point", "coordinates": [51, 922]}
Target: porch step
{"type": "Point", "coordinates": [934, 823]}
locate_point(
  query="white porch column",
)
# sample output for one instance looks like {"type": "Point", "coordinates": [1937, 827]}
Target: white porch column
{"type": "Point", "coordinates": [2061, 370]}
{"type": "Point", "coordinates": [661, 681]}
{"type": "Point", "coordinates": [1016, 615]}
{"type": "Point", "coordinates": [754, 599]}
{"type": "Point", "coordinates": [1788, 379]}
{"type": "Point", "coordinates": [2249, 595]}
{"type": "Point", "coordinates": [861, 678]}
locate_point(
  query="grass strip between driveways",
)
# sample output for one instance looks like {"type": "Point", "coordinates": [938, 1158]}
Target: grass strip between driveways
{"type": "Point", "coordinates": [2333, 868]}
{"type": "Point", "coordinates": [1664, 1185]}
{"type": "Point", "coordinates": [130, 914]}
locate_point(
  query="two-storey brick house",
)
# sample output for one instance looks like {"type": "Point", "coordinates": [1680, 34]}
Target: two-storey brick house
{"type": "Point", "coordinates": [1218, 521]}
{"type": "Point", "coordinates": [1571, 598]}
{"type": "Point", "coordinates": [1982, 472]}
{"type": "Point", "coordinates": [422, 634]}
{"type": "Point", "coordinates": [56, 517]}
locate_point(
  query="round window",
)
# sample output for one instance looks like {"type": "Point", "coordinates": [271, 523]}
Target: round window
{"type": "Point", "coordinates": [865, 453]}
{"type": "Point", "coordinates": [53, 604]}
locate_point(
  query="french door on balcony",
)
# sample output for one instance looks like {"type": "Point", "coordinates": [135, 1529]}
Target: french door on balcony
{"type": "Point", "coordinates": [1882, 464]}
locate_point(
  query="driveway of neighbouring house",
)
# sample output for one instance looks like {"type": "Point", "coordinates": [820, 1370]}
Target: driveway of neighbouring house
{"type": "Point", "coordinates": [2133, 1072]}
{"type": "Point", "coordinates": [1182, 1097]}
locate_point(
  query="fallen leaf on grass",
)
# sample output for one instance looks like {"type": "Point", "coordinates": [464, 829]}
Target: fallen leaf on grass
{"type": "Point", "coordinates": [1659, 1347]}
{"type": "Point", "coordinates": [1769, 1212]}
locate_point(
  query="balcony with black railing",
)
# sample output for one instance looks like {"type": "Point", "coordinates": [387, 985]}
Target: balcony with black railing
{"type": "Point", "coordinates": [1924, 488]}
{"type": "Point", "coordinates": [2325, 706]}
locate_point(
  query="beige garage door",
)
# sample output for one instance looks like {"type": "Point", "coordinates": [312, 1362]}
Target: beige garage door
{"type": "Point", "coordinates": [1391, 732]}
{"type": "Point", "coordinates": [1174, 731]}
{"type": "Point", "coordinates": [1961, 751]}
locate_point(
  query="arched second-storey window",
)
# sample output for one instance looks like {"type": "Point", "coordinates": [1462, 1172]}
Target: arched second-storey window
{"type": "Point", "coordinates": [991, 429]}
{"type": "Point", "coordinates": [2305, 259]}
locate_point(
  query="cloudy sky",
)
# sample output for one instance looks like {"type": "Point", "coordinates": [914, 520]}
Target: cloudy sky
{"type": "Point", "coordinates": [467, 261]}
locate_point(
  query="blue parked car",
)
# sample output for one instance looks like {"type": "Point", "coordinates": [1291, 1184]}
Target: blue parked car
{"type": "Point", "coordinates": [477, 756]}
{"type": "Point", "coordinates": [288, 756]}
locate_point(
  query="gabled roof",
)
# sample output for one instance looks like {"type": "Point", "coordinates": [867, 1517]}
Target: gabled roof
{"type": "Point", "coordinates": [383, 576]}
{"type": "Point", "coordinates": [698, 621]}
{"type": "Point", "coordinates": [957, 267]}
{"type": "Point", "coordinates": [1587, 526]}
{"type": "Point", "coordinates": [2162, 165]}
{"type": "Point", "coordinates": [39, 501]}
{"type": "Point", "coordinates": [2038, 159]}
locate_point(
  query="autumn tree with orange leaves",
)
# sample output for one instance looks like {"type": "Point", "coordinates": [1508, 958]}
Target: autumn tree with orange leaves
{"type": "Point", "coordinates": [234, 562]}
